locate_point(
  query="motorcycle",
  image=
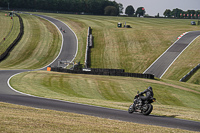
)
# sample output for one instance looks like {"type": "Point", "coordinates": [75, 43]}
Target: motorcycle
{"type": "Point", "coordinates": [146, 107]}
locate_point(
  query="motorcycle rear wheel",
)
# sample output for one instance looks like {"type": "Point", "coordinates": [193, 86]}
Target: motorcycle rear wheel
{"type": "Point", "coordinates": [148, 109]}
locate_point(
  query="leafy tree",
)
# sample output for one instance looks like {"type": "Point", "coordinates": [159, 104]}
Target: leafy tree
{"type": "Point", "coordinates": [167, 13]}
{"type": "Point", "coordinates": [110, 10]}
{"type": "Point", "coordinates": [183, 14]}
{"type": "Point", "coordinates": [89, 6]}
{"type": "Point", "coordinates": [130, 10]}
{"type": "Point", "coordinates": [96, 6]}
{"type": "Point", "coordinates": [140, 11]}
{"type": "Point", "coordinates": [176, 12]}
{"type": "Point", "coordinates": [191, 13]}
{"type": "Point", "coordinates": [120, 8]}
{"type": "Point", "coordinates": [197, 13]}
{"type": "Point", "coordinates": [4, 3]}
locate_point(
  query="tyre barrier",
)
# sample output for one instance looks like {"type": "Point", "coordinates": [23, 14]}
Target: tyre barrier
{"type": "Point", "coordinates": [88, 46]}
{"type": "Point", "coordinates": [100, 71]}
{"type": "Point", "coordinates": [14, 43]}
{"type": "Point", "coordinates": [189, 75]}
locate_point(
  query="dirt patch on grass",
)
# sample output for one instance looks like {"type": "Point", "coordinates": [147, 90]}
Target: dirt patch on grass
{"type": "Point", "coordinates": [172, 85]}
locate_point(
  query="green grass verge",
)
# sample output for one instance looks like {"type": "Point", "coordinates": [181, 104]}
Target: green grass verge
{"type": "Point", "coordinates": [130, 49]}
{"type": "Point", "coordinates": [38, 47]}
{"type": "Point", "coordinates": [15, 118]}
{"type": "Point", "coordinates": [13, 34]}
{"type": "Point", "coordinates": [5, 25]}
{"type": "Point", "coordinates": [189, 59]}
{"type": "Point", "coordinates": [114, 92]}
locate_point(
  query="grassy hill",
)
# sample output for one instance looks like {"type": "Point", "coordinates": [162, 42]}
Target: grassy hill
{"type": "Point", "coordinates": [189, 59]}
{"type": "Point", "coordinates": [10, 29]}
{"type": "Point", "coordinates": [38, 47]}
{"type": "Point", "coordinates": [132, 49]}
{"type": "Point", "coordinates": [5, 25]}
{"type": "Point", "coordinates": [173, 98]}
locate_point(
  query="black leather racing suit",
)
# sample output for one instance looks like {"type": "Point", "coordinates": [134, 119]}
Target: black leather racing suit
{"type": "Point", "coordinates": [148, 92]}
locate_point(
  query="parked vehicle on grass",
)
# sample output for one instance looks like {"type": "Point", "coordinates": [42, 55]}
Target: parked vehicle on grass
{"type": "Point", "coordinates": [193, 23]}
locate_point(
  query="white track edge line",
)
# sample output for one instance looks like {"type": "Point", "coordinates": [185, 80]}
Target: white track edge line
{"type": "Point", "coordinates": [50, 98]}
{"type": "Point", "coordinates": [61, 45]}
{"type": "Point", "coordinates": [62, 39]}
{"type": "Point", "coordinates": [162, 54]}
{"type": "Point", "coordinates": [8, 81]}
{"type": "Point", "coordinates": [179, 55]}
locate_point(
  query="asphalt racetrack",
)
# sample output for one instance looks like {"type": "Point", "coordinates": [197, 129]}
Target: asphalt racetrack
{"type": "Point", "coordinates": [161, 65]}
{"type": "Point", "coordinates": [70, 42]}
{"type": "Point", "coordinates": [68, 51]}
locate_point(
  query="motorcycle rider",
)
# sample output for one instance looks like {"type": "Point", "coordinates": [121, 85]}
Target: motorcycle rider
{"type": "Point", "coordinates": [149, 94]}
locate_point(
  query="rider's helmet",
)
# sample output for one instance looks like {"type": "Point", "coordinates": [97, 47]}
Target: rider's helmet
{"type": "Point", "coordinates": [149, 88]}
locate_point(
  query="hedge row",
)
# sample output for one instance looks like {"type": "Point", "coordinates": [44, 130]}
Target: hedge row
{"type": "Point", "coordinates": [98, 71]}
{"type": "Point", "coordinates": [189, 75]}
{"type": "Point", "coordinates": [14, 43]}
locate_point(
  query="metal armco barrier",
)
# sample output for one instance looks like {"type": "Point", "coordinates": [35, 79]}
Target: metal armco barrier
{"type": "Point", "coordinates": [88, 46]}
{"type": "Point", "coordinates": [100, 71]}
{"type": "Point", "coordinates": [189, 75]}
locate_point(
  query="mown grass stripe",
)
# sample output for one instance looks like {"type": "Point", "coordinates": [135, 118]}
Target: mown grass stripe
{"type": "Point", "coordinates": [5, 25]}
{"type": "Point", "coordinates": [12, 36]}
{"type": "Point", "coordinates": [38, 47]}
{"type": "Point", "coordinates": [107, 91]}
{"type": "Point", "coordinates": [132, 49]}
{"type": "Point", "coordinates": [26, 119]}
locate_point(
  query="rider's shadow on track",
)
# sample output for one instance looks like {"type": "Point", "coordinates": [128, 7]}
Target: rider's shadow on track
{"type": "Point", "coordinates": [161, 116]}
{"type": "Point", "coordinates": [172, 116]}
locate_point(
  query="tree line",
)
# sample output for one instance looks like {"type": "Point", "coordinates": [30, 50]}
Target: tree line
{"type": "Point", "coordinates": [178, 13]}
{"type": "Point", "coordinates": [96, 7]}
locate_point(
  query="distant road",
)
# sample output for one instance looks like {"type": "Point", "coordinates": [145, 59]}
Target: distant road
{"type": "Point", "coordinates": [161, 65]}
{"type": "Point", "coordinates": [69, 42]}
{"type": "Point", "coordinates": [9, 95]}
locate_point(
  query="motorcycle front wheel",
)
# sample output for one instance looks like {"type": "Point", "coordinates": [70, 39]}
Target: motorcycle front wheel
{"type": "Point", "coordinates": [131, 109]}
{"type": "Point", "coordinates": [147, 109]}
